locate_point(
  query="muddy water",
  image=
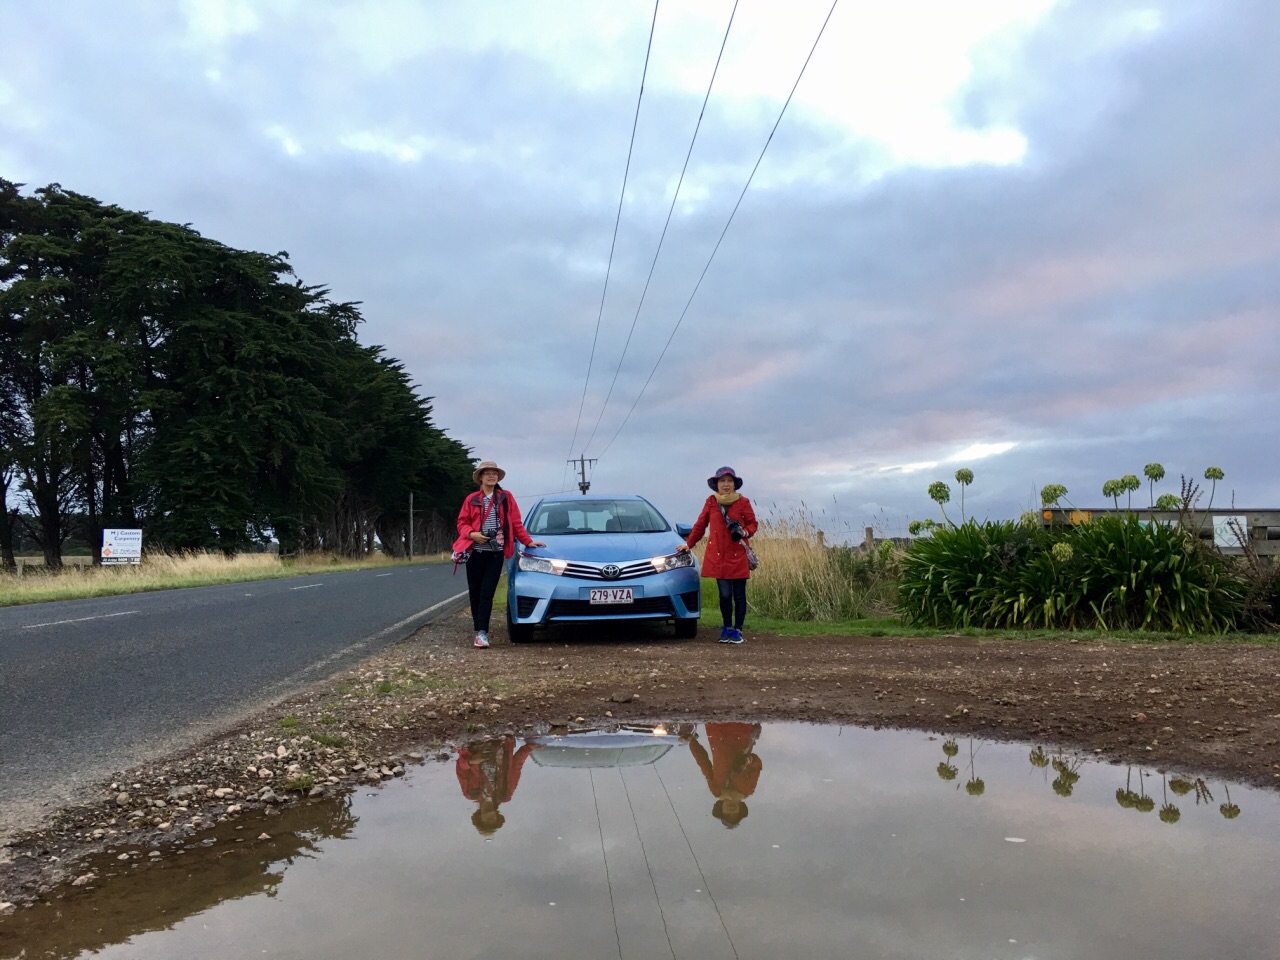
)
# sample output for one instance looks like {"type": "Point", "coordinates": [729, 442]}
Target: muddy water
{"type": "Point", "coordinates": [786, 841]}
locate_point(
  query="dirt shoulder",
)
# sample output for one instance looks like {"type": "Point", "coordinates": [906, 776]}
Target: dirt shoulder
{"type": "Point", "coordinates": [1208, 709]}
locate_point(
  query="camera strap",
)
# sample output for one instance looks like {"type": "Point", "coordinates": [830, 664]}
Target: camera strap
{"type": "Point", "coordinates": [724, 511]}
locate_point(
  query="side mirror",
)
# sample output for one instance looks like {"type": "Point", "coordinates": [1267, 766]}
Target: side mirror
{"type": "Point", "coordinates": [684, 530]}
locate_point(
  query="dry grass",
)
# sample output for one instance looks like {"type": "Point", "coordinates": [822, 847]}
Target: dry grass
{"type": "Point", "coordinates": [801, 579]}
{"type": "Point", "coordinates": [165, 571]}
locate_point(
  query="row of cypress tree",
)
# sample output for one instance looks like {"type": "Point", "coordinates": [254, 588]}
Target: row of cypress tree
{"type": "Point", "coordinates": [151, 377]}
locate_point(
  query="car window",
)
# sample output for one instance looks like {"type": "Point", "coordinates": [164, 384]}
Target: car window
{"type": "Point", "coordinates": [596, 516]}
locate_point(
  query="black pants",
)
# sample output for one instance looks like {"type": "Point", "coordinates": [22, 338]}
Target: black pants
{"type": "Point", "coordinates": [733, 602]}
{"type": "Point", "coordinates": [484, 570]}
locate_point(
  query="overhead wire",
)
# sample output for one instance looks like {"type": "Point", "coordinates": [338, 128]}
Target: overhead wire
{"type": "Point", "coordinates": [701, 873]}
{"type": "Point", "coordinates": [613, 245]}
{"type": "Point", "coordinates": [653, 883]}
{"type": "Point", "coordinates": [733, 214]}
{"type": "Point", "coordinates": [604, 854]}
{"type": "Point", "coordinates": [674, 197]}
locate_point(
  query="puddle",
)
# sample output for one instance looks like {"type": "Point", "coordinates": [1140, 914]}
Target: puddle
{"type": "Point", "coordinates": [742, 842]}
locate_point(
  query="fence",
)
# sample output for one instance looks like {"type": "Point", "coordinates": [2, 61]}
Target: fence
{"type": "Point", "coordinates": [24, 562]}
{"type": "Point", "coordinates": [1225, 528]}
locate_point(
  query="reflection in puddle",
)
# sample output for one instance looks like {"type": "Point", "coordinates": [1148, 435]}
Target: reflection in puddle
{"type": "Point", "coordinates": [714, 840]}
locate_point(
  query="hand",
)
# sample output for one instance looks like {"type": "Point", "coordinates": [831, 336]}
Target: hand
{"type": "Point", "coordinates": [683, 548]}
{"type": "Point", "coordinates": [537, 543]}
{"type": "Point", "coordinates": [478, 537]}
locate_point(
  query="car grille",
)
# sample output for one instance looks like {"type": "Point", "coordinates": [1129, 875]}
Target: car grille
{"type": "Point", "coordinates": [525, 605]}
{"type": "Point", "coordinates": [584, 608]}
{"type": "Point", "coordinates": [591, 571]}
{"type": "Point", "coordinates": [691, 600]}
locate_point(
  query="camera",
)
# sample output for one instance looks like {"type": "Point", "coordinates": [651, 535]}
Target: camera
{"type": "Point", "coordinates": [736, 532]}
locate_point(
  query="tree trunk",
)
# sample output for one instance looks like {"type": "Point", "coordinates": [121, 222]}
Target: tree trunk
{"type": "Point", "coordinates": [8, 520]}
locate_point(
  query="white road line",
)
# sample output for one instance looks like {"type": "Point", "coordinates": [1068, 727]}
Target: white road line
{"type": "Point", "coordinates": [308, 586]}
{"type": "Point", "coordinates": [361, 644]}
{"type": "Point", "coordinates": [101, 616]}
{"type": "Point", "coordinates": [384, 574]}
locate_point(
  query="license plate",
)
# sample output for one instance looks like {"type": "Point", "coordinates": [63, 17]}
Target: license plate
{"type": "Point", "coordinates": [610, 595]}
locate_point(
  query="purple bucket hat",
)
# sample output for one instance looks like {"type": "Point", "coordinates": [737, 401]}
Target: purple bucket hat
{"type": "Point", "coordinates": [725, 472]}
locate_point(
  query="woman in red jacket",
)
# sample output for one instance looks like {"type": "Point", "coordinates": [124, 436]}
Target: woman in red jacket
{"type": "Point", "coordinates": [728, 516]}
{"type": "Point", "coordinates": [488, 526]}
{"type": "Point", "coordinates": [732, 770]}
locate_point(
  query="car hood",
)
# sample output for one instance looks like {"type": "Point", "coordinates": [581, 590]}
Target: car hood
{"type": "Point", "coordinates": [607, 547]}
{"type": "Point", "coordinates": [600, 750]}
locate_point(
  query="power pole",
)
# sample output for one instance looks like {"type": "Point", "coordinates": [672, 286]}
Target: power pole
{"type": "Point", "coordinates": [583, 483]}
{"type": "Point", "coordinates": [410, 524]}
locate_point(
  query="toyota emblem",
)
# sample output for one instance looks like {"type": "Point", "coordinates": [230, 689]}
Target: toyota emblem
{"type": "Point", "coordinates": [610, 571]}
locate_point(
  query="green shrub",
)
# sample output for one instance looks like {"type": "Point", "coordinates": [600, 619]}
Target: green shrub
{"type": "Point", "coordinates": [1112, 573]}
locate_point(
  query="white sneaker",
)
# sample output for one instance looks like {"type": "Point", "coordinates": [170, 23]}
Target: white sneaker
{"type": "Point", "coordinates": [481, 642]}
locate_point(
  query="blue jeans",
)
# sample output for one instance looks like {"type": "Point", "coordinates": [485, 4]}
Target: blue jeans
{"type": "Point", "coordinates": [733, 602]}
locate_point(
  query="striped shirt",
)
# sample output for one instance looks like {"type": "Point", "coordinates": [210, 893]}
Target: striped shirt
{"type": "Point", "coordinates": [489, 525]}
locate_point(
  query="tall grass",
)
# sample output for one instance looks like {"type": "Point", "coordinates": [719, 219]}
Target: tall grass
{"type": "Point", "coordinates": [800, 579]}
{"type": "Point", "coordinates": [166, 571]}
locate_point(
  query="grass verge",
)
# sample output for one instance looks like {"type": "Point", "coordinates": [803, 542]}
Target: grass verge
{"type": "Point", "coordinates": [162, 571]}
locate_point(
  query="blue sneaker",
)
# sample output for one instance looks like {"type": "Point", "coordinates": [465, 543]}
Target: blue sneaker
{"type": "Point", "coordinates": [725, 633]}
{"type": "Point", "coordinates": [735, 636]}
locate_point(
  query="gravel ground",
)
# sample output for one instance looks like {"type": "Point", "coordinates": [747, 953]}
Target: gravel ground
{"type": "Point", "coordinates": [1209, 709]}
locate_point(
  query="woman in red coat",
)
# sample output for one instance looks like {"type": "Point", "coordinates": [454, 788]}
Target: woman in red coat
{"type": "Point", "coordinates": [732, 770]}
{"type": "Point", "coordinates": [728, 516]}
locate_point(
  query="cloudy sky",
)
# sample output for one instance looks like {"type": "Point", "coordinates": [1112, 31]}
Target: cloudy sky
{"type": "Point", "coordinates": [1036, 239]}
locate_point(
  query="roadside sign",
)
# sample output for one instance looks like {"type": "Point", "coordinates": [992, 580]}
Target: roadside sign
{"type": "Point", "coordinates": [121, 546]}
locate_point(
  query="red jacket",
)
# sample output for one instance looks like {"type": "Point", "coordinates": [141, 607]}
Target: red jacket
{"type": "Point", "coordinates": [484, 774]}
{"type": "Point", "coordinates": [733, 763]}
{"type": "Point", "coordinates": [509, 522]}
{"type": "Point", "coordinates": [724, 559]}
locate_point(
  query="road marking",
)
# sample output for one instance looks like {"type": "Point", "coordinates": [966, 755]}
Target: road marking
{"type": "Point", "coordinates": [101, 616]}
{"type": "Point", "coordinates": [308, 586]}
{"type": "Point", "coordinates": [384, 574]}
{"type": "Point", "coordinates": [361, 644]}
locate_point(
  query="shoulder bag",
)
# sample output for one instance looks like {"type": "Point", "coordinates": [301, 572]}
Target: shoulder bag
{"type": "Point", "coordinates": [753, 561]}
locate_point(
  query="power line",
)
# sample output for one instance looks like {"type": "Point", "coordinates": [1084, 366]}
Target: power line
{"type": "Point", "coordinates": [689, 843]}
{"type": "Point", "coordinates": [745, 187]}
{"type": "Point", "coordinates": [635, 822]}
{"type": "Point", "coordinates": [618, 219]}
{"type": "Point", "coordinates": [670, 211]}
{"type": "Point", "coordinates": [604, 854]}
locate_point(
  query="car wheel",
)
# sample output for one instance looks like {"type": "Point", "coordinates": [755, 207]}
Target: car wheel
{"type": "Point", "coordinates": [686, 629]}
{"type": "Point", "coordinates": [519, 632]}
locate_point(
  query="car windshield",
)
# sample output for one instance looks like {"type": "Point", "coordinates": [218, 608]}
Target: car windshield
{"type": "Point", "coordinates": [596, 516]}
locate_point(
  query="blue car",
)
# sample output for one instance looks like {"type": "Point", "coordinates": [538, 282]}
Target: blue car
{"type": "Point", "coordinates": [606, 559]}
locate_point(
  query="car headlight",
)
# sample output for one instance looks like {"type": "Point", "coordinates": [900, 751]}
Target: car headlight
{"type": "Point", "coordinates": [672, 561]}
{"type": "Point", "coordinates": [541, 565]}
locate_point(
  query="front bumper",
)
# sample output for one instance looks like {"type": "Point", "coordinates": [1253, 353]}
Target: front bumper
{"type": "Point", "coordinates": [542, 598]}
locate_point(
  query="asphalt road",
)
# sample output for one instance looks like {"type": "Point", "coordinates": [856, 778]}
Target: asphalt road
{"type": "Point", "coordinates": [91, 687]}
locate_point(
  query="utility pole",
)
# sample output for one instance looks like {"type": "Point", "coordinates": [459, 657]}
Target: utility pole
{"type": "Point", "coordinates": [583, 483]}
{"type": "Point", "coordinates": [410, 524]}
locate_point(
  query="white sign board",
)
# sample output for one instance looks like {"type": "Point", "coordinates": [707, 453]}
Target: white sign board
{"type": "Point", "coordinates": [121, 546]}
{"type": "Point", "coordinates": [1225, 528]}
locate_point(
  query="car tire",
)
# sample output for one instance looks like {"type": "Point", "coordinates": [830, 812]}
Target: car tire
{"type": "Point", "coordinates": [519, 632]}
{"type": "Point", "coordinates": [686, 629]}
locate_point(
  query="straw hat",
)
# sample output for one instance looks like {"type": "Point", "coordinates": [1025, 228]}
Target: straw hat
{"type": "Point", "coordinates": [488, 465]}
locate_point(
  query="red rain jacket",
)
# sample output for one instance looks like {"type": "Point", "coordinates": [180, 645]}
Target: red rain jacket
{"type": "Point", "coordinates": [472, 512]}
{"type": "Point", "coordinates": [724, 559]}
